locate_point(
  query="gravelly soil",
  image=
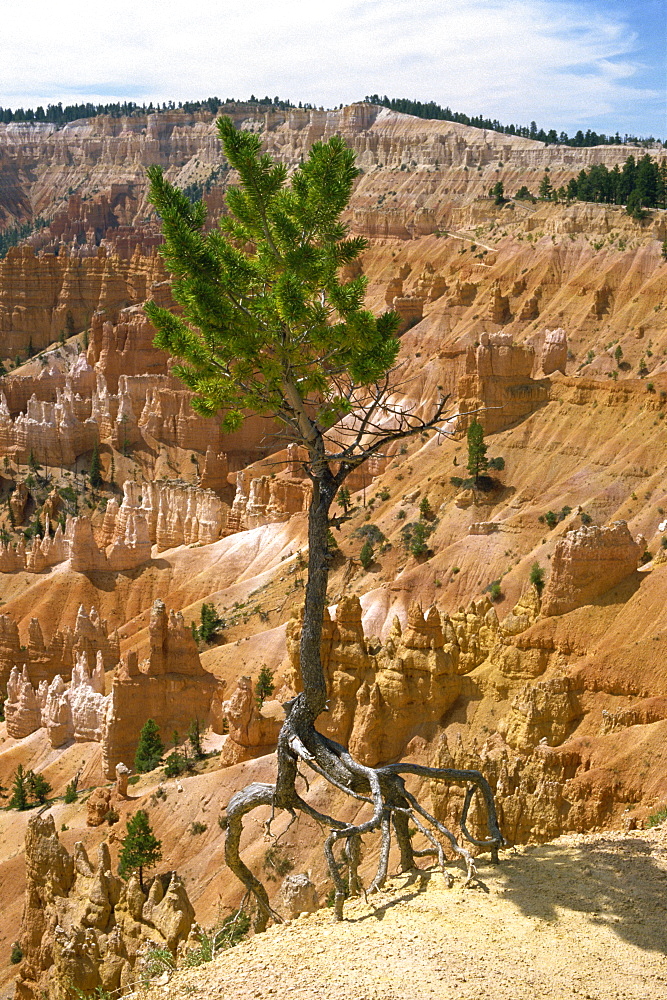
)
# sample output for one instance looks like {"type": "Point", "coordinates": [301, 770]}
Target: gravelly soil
{"type": "Point", "coordinates": [584, 916]}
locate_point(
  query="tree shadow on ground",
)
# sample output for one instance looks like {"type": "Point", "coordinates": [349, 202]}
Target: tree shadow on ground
{"type": "Point", "coordinates": [617, 881]}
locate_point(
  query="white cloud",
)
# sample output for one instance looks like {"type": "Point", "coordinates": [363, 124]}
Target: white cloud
{"type": "Point", "coordinates": [556, 61]}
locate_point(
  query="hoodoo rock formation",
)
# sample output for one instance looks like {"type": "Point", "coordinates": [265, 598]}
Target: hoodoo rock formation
{"type": "Point", "coordinates": [42, 661]}
{"type": "Point", "coordinates": [171, 687]}
{"type": "Point", "coordinates": [587, 563]}
{"type": "Point", "coordinates": [253, 728]}
{"type": "Point", "coordinates": [84, 928]}
{"type": "Point", "coordinates": [497, 386]}
{"type": "Point", "coordinates": [544, 319]}
{"type": "Point", "coordinates": [381, 696]}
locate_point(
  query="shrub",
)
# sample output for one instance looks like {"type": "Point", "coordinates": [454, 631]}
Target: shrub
{"type": "Point", "coordinates": [586, 518]}
{"type": "Point", "coordinates": [537, 577]}
{"type": "Point", "coordinates": [384, 493]}
{"type": "Point", "coordinates": [157, 961]}
{"type": "Point", "coordinates": [551, 519]}
{"type": "Point", "coordinates": [653, 820]}
{"type": "Point", "coordinates": [197, 827]}
{"type": "Point", "coordinates": [494, 590]}
{"type": "Point", "coordinates": [112, 816]}
{"type": "Point", "coordinates": [231, 932]}
{"type": "Point", "coordinates": [414, 537]}
{"type": "Point", "coordinates": [401, 514]}
{"type": "Point", "coordinates": [371, 533]}
{"type": "Point", "coordinates": [16, 955]}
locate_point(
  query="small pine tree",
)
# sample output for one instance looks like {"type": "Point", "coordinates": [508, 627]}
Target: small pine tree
{"type": "Point", "coordinates": [546, 190]}
{"type": "Point", "coordinates": [38, 787]}
{"type": "Point", "coordinates": [663, 250]}
{"type": "Point", "coordinates": [497, 192]}
{"type": "Point", "coordinates": [194, 739]}
{"type": "Point", "coordinates": [112, 472]}
{"type": "Point", "coordinates": [537, 578]}
{"type": "Point", "coordinates": [264, 687]}
{"type": "Point", "coordinates": [140, 848]}
{"type": "Point", "coordinates": [96, 468]}
{"type": "Point", "coordinates": [71, 794]}
{"type": "Point", "coordinates": [19, 798]}
{"type": "Point", "coordinates": [477, 461]}
{"type": "Point", "coordinates": [211, 623]}
{"type": "Point", "coordinates": [150, 748]}
{"type": "Point", "coordinates": [366, 554]}
{"type": "Point", "coordinates": [425, 509]}
{"type": "Point", "coordinates": [344, 498]}
{"type": "Point", "coordinates": [32, 461]}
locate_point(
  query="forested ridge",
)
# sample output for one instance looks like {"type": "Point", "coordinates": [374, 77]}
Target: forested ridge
{"type": "Point", "coordinates": [431, 110]}
{"type": "Point", "coordinates": [56, 114]}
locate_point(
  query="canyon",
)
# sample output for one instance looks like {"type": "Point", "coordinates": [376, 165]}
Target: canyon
{"type": "Point", "coordinates": [556, 690]}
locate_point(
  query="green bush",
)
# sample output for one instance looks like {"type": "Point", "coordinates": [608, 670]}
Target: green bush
{"type": "Point", "coordinates": [551, 519]}
{"type": "Point", "coordinates": [371, 533]}
{"type": "Point", "coordinates": [175, 765]}
{"type": "Point", "coordinates": [494, 590]}
{"type": "Point", "coordinates": [415, 535]}
{"type": "Point", "coordinates": [16, 955]}
{"type": "Point", "coordinates": [197, 827]}
{"type": "Point", "coordinates": [537, 577]}
{"type": "Point", "coordinates": [654, 819]}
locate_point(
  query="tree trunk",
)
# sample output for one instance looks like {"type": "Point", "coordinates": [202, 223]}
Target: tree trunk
{"type": "Point", "coordinates": [314, 684]}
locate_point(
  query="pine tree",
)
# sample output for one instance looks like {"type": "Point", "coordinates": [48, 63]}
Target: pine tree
{"type": "Point", "coordinates": [140, 848]}
{"type": "Point", "coordinates": [477, 461]}
{"type": "Point", "coordinates": [546, 190]}
{"type": "Point", "coordinates": [264, 687]}
{"type": "Point", "coordinates": [38, 786]}
{"type": "Point", "coordinates": [19, 797]}
{"type": "Point", "coordinates": [366, 555]}
{"type": "Point", "coordinates": [194, 739]}
{"type": "Point", "coordinates": [211, 623]}
{"type": "Point", "coordinates": [270, 323]}
{"type": "Point", "coordinates": [96, 480]}
{"type": "Point", "coordinates": [343, 497]}
{"type": "Point", "coordinates": [149, 749]}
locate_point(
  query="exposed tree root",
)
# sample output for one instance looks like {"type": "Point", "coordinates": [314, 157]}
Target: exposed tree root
{"type": "Point", "coordinates": [383, 788]}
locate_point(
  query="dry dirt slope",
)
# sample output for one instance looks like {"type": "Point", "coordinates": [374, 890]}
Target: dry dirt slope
{"type": "Point", "coordinates": [584, 916]}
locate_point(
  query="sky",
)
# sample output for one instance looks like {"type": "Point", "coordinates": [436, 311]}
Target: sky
{"type": "Point", "coordinates": [566, 64]}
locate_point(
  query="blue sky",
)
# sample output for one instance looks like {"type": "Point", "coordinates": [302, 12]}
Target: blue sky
{"type": "Point", "coordinates": [567, 64]}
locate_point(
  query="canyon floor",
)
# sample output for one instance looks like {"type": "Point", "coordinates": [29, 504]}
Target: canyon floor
{"type": "Point", "coordinates": [583, 916]}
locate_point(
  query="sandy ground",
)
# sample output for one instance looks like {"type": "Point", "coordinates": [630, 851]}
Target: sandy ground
{"type": "Point", "coordinates": [584, 916]}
